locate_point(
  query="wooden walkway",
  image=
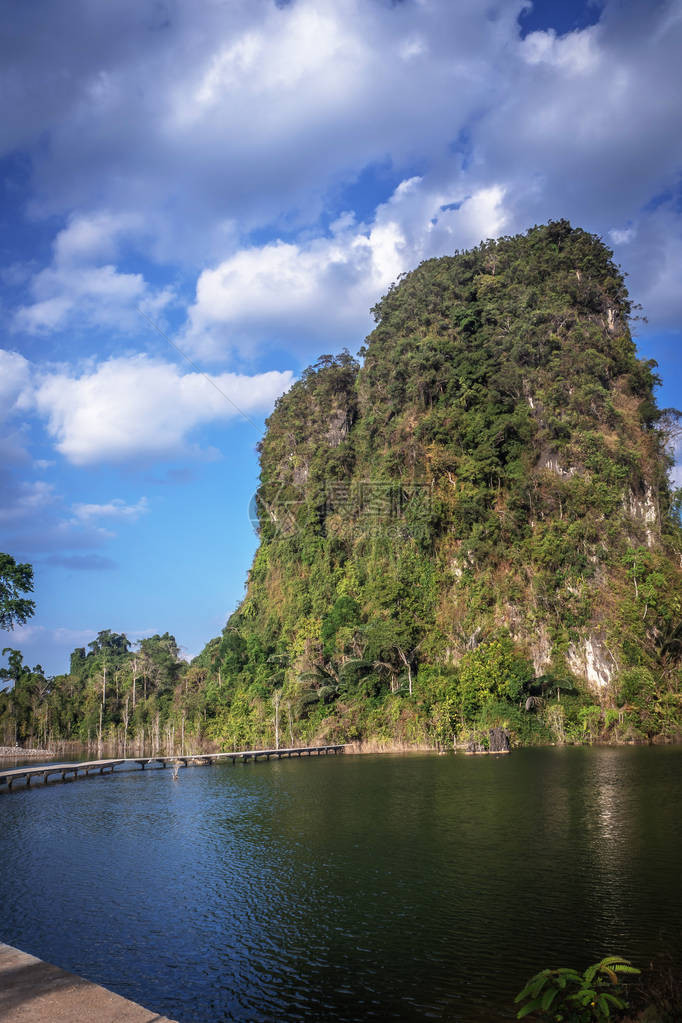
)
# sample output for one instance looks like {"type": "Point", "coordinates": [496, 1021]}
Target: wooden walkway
{"type": "Point", "coordinates": [70, 772]}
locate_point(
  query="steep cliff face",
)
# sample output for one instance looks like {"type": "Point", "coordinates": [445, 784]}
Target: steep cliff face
{"type": "Point", "coordinates": [487, 490]}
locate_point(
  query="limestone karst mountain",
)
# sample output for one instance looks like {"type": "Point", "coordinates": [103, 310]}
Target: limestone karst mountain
{"type": "Point", "coordinates": [478, 517]}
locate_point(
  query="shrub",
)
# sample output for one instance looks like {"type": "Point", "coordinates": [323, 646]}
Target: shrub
{"type": "Point", "coordinates": [566, 996]}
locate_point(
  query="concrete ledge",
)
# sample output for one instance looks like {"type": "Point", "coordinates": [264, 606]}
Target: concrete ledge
{"type": "Point", "coordinates": [32, 991]}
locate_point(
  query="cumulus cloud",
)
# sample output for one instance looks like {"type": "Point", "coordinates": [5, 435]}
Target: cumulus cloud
{"type": "Point", "coordinates": [79, 290]}
{"type": "Point", "coordinates": [220, 113]}
{"type": "Point", "coordinates": [136, 407]}
{"type": "Point", "coordinates": [575, 54]}
{"type": "Point", "coordinates": [592, 114]}
{"type": "Point", "coordinates": [114, 509]}
{"type": "Point", "coordinates": [219, 120]}
{"type": "Point", "coordinates": [127, 408]}
{"type": "Point", "coordinates": [321, 290]}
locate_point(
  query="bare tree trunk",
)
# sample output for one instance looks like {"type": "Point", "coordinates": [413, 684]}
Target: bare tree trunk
{"type": "Point", "coordinates": [276, 697]}
{"type": "Point", "coordinates": [126, 718]}
{"type": "Point", "coordinates": [405, 661]}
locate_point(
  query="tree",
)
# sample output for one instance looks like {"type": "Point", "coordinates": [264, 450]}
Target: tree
{"type": "Point", "coordinates": [24, 709]}
{"type": "Point", "coordinates": [15, 579]}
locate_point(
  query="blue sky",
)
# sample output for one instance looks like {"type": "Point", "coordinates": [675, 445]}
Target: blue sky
{"type": "Point", "coordinates": [197, 199]}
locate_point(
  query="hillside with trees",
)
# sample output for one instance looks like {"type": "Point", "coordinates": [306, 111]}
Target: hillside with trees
{"type": "Point", "coordinates": [472, 526]}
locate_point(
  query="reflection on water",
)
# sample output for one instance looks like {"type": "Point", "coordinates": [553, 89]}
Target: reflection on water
{"type": "Point", "coordinates": [352, 888]}
{"type": "Point", "coordinates": [9, 763]}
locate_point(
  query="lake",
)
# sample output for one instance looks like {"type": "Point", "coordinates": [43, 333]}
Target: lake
{"type": "Point", "coordinates": [348, 888]}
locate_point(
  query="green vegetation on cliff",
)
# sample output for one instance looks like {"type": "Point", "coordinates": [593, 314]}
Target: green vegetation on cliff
{"type": "Point", "coordinates": [473, 527]}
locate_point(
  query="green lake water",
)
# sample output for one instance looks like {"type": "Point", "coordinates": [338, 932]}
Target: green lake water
{"type": "Point", "coordinates": [348, 888]}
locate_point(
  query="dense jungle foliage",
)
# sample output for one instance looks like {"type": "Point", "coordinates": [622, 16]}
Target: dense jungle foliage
{"type": "Point", "coordinates": [133, 699]}
{"type": "Point", "coordinates": [472, 527]}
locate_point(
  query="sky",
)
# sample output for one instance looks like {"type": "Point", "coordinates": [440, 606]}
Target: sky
{"type": "Point", "coordinates": [200, 197]}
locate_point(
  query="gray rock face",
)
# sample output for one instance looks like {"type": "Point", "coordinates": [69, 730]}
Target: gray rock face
{"type": "Point", "coordinates": [499, 740]}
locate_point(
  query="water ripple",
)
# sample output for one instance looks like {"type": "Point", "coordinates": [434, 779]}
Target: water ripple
{"type": "Point", "coordinates": [370, 888]}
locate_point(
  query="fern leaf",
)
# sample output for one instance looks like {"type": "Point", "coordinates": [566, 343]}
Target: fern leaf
{"type": "Point", "coordinates": [531, 1007]}
{"type": "Point", "coordinates": [604, 1006]}
{"type": "Point", "coordinates": [548, 997]}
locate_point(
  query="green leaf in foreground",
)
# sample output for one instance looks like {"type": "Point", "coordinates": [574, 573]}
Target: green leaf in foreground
{"type": "Point", "coordinates": [566, 996]}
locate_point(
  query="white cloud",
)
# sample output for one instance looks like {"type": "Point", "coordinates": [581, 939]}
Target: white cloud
{"type": "Point", "coordinates": [126, 408]}
{"type": "Point", "coordinates": [215, 120]}
{"type": "Point", "coordinates": [74, 637]}
{"type": "Point", "coordinates": [594, 117]}
{"type": "Point", "coordinates": [322, 290]}
{"type": "Point", "coordinates": [25, 501]}
{"type": "Point", "coordinates": [621, 237]}
{"type": "Point", "coordinates": [241, 113]}
{"type": "Point", "coordinates": [93, 238]}
{"type": "Point", "coordinates": [15, 378]}
{"type": "Point", "coordinates": [79, 290]}
{"type": "Point", "coordinates": [136, 407]}
{"type": "Point", "coordinates": [115, 509]}
{"type": "Point", "coordinates": [575, 53]}
{"type": "Point", "coordinates": [30, 632]}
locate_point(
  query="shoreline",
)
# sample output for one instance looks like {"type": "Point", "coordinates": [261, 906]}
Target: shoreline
{"type": "Point", "coordinates": [33, 991]}
{"type": "Point", "coordinates": [17, 753]}
{"type": "Point", "coordinates": [361, 748]}
{"type": "Point", "coordinates": [374, 746]}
